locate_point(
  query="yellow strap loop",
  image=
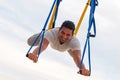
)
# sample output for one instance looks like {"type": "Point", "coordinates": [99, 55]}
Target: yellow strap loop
{"type": "Point", "coordinates": [81, 18]}
{"type": "Point", "coordinates": [52, 17]}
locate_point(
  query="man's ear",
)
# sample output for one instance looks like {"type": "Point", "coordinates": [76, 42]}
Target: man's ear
{"type": "Point", "coordinates": [72, 33]}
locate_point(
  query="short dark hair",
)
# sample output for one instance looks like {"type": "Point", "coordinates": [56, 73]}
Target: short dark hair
{"type": "Point", "coordinates": [68, 24]}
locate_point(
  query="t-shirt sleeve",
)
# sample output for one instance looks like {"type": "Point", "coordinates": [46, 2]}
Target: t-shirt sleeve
{"type": "Point", "coordinates": [75, 44]}
{"type": "Point", "coordinates": [48, 35]}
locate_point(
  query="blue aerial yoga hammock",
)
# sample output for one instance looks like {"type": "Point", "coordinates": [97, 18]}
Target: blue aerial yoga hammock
{"type": "Point", "coordinates": [44, 28]}
{"type": "Point", "coordinates": [93, 4]}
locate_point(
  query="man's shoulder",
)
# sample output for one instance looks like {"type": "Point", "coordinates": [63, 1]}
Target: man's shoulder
{"type": "Point", "coordinates": [52, 33]}
{"type": "Point", "coordinates": [75, 40]}
{"type": "Point", "coordinates": [53, 29]}
{"type": "Point", "coordinates": [56, 28]}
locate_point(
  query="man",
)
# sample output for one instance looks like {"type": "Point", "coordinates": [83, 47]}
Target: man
{"type": "Point", "coordinates": [61, 39]}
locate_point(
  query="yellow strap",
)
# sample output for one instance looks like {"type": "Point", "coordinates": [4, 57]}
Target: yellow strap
{"type": "Point", "coordinates": [52, 17]}
{"type": "Point", "coordinates": [81, 18]}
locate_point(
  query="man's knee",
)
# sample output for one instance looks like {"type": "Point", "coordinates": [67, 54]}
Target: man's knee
{"type": "Point", "coordinates": [32, 39]}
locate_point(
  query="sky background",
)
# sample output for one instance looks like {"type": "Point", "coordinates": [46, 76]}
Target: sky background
{"type": "Point", "coordinates": [19, 19]}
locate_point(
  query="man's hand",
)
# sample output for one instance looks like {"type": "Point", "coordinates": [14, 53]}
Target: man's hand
{"type": "Point", "coordinates": [84, 72]}
{"type": "Point", "coordinates": [33, 57]}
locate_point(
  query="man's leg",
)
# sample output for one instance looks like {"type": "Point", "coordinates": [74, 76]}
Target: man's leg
{"type": "Point", "coordinates": [31, 40]}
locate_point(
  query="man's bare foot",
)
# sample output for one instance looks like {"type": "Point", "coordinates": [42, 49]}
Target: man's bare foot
{"type": "Point", "coordinates": [33, 57]}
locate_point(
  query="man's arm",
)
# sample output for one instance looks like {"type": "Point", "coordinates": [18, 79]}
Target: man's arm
{"type": "Point", "coordinates": [76, 54]}
{"type": "Point", "coordinates": [34, 55]}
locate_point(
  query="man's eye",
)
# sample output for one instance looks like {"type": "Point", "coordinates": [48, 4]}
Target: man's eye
{"type": "Point", "coordinates": [62, 32]}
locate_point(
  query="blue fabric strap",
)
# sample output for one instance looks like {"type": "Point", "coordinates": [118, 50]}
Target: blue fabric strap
{"type": "Point", "coordinates": [93, 4]}
{"type": "Point", "coordinates": [43, 31]}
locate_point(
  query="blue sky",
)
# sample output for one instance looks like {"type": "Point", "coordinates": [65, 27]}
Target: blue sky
{"type": "Point", "coordinates": [20, 19]}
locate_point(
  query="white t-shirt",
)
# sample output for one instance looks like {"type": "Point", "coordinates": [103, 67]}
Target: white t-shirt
{"type": "Point", "coordinates": [52, 36]}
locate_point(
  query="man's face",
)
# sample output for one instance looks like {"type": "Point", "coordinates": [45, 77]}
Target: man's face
{"type": "Point", "coordinates": [65, 34]}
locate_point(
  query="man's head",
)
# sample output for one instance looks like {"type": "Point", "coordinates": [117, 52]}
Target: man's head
{"type": "Point", "coordinates": [68, 24]}
{"type": "Point", "coordinates": [66, 31]}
